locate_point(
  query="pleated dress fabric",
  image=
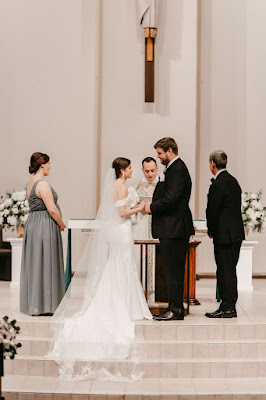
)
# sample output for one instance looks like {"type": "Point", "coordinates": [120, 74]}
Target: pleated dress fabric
{"type": "Point", "coordinates": [42, 284]}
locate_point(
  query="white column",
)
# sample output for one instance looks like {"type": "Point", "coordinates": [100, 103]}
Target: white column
{"type": "Point", "coordinates": [245, 266]}
{"type": "Point", "coordinates": [16, 244]}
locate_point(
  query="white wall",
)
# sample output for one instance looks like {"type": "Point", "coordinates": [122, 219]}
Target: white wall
{"type": "Point", "coordinates": [48, 69]}
{"type": "Point", "coordinates": [232, 102]}
{"type": "Point", "coordinates": [131, 127]}
{"type": "Point", "coordinates": [256, 116]}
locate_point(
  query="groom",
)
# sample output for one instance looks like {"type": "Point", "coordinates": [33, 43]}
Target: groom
{"type": "Point", "coordinates": [172, 223]}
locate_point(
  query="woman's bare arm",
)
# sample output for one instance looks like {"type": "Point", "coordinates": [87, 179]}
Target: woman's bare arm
{"type": "Point", "coordinates": [43, 190]}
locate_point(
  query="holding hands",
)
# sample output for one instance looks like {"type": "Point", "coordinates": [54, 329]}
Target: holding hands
{"type": "Point", "coordinates": [143, 207]}
{"type": "Point", "coordinates": [148, 207]}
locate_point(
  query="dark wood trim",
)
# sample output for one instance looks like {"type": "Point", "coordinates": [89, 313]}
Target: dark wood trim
{"type": "Point", "coordinates": [213, 276]}
{"type": "Point", "coordinates": [149, 74]}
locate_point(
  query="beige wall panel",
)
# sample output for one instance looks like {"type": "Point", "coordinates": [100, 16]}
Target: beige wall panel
{"type": "Point", "coordinates": [48, 99]}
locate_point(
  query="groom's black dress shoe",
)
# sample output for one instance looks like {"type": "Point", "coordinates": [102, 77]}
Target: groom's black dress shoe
{"type": "Point", "coordinates": [222, 314]}
{"type": "Point", "coordinates": [168, 315]}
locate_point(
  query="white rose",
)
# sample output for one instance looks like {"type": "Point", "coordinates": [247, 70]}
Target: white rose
{"type": "Point", "coordinates": [249, 212]}
{"type": "Point", "coordinates": [19, 196]}
{"type": "Point", "coordinates": [2, 206]}
{"type": "Point", "coordinates": [243, 195]}
{"type": "Point", "coordinates": [244, 204]}
{"type": "Point", "coordinates": [255, 204]}
{"type": "Point", "coordinates": [25, 210]}
{"type": "Point", "coordinates": [253, 196]}
{"type": "Point", "coordinates": [23, 219]}
{"type": "Point", "coordinates": [26, 203]}
{"type": "Point", "coordinates": [1, 220]}
{"type": "Point", "coordinates": [14, 196]}
{"type": "Point", "coordinates": [7, 202]}
{"type": "Point", "coordinates": [260, 207]}
{"type": "Point", "coordinates": [22, 195]}
{"type": "Point", "coordinates": [12, 220]}
{"type": "Point", "coordinates": [6, 212]}
{"type": "Point", "coordinates": [15, 210]}
{"type": "Point", "coordinates": [257, 214]}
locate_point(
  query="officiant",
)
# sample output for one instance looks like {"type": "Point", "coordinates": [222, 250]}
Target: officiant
{"type": "Point", "coordinates": [142, 230]}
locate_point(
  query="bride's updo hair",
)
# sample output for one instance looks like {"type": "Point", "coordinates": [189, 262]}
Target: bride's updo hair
{"type": "Point", "coordinates": [36, 160]}
{"type": "Point", "coordinates": [120, 163]}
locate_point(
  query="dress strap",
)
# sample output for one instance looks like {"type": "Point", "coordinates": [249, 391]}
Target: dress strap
{"type": "Point", "coordinates": [34, 186]}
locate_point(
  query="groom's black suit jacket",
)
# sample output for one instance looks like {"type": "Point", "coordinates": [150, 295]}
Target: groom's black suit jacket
{"type": "Point", "coordinates": [224, 218]}
{"type": "Point", "coordinates": [171, 216]}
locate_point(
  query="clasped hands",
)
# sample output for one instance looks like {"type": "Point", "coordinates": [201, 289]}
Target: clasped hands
{"type": "Point", "coordinates": [144, 206]}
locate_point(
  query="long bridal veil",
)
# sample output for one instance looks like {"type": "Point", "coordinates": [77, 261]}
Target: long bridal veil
{"type": "Point", "coordinates": [94, 337]}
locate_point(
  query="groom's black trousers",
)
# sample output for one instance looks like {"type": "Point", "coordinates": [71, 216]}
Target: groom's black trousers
{"type": "Point", "coordinates": [174, 257]}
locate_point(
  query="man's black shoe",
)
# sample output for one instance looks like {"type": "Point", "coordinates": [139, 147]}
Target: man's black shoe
{"type": "Point", "coordinates": [222, 314]}
{"type": "Point", "coordinates": [168, 316]}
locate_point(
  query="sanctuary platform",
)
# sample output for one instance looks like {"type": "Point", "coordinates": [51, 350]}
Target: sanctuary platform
{"type": "Point", "coordinates": [194, 359]}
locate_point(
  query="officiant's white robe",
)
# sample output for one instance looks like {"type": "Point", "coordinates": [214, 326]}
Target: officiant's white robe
{"type": "Point", "coordinates": [142, 230]}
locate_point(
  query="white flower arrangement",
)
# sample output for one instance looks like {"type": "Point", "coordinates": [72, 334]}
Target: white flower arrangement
{"type": "Point", "coordinates": [8, 332]}
{"type": "Point", "coordinates": [253, 212]}
{"type": "Point", "coordinates": [14, 210]}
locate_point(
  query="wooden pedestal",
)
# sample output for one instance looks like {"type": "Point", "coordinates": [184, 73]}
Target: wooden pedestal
{"type": "Point", "coordinates": [192, 275]}
{"type": "Point", "coordinates": [160, 283]}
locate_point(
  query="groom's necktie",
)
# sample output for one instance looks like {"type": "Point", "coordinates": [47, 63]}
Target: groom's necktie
{"type": "Point", "coordinates": [212, 180]}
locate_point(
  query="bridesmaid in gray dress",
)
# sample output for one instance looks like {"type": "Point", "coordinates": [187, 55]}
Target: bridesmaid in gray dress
{"type": "Point", "coordinates": [42, 268]}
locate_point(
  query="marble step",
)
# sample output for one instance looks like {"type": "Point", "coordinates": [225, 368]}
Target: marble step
{"type": "Point", "coordinates": [22, 387]}
{"type": "Point", "coordinates": [157, 368]}
{"type": "Point", "coordinates": [172, 330]}
{"type": "Point", "coordinates": [171, 349]}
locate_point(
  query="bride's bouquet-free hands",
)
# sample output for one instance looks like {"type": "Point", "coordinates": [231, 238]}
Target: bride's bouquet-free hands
{"type": "Point", "coordinates": [147, 206]}
{"type": "Point", "coordinates": [139, 207]}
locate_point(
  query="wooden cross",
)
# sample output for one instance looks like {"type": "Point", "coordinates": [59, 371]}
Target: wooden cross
{"type": "Point", "coordinates": [149, 34]}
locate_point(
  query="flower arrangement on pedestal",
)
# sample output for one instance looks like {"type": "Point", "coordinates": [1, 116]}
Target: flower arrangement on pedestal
{"type": "Point", "coordinates": [253, 212]}
{"type": "Point", "coordinates": [14, 210]}
{"type": "Point", "coordinates": [8, 332]}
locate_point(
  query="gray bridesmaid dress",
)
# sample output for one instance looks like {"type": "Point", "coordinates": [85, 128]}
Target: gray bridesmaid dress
{"type": "Point", "coordinates": [42, 269]}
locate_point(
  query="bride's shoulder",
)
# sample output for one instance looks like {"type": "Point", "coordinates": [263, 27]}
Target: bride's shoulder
{"type": "Point", "coordinates": [121, 189]}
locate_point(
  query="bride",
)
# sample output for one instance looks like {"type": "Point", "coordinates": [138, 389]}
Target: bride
{"type": "Point", "coordinates": [94, 324]}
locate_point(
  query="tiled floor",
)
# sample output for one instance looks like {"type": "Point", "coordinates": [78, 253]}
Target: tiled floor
{"type": "Point", "coordinates": [197, 358]}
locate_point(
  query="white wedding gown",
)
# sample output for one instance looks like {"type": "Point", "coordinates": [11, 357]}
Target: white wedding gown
{"type": "Point", "coordinates": [92, 343]}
